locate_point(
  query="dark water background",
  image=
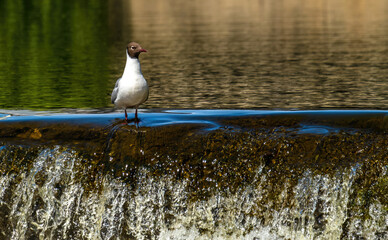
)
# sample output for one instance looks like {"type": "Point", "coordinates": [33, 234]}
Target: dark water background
{"type": "Point", "coordinates": [202, 54]}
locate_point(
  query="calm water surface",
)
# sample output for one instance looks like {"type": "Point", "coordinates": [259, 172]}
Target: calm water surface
{"type": "Point", "coordinates": [202, 54]}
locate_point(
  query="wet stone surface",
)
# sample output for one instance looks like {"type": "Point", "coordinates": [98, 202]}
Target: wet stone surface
{"type": "Point", "coordinates": [225, 157]}
{"type": "Point", "coordinates": [240, 152]}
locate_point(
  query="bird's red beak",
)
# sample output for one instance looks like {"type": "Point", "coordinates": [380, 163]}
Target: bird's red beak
{"type": "Point", "coordinates": [143, 50]}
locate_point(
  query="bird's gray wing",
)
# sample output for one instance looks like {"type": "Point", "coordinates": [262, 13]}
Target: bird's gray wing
{"type": "Point", "coordinates": [115, 91]}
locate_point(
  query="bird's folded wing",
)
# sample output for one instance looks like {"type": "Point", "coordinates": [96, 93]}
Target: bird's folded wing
{"type": "Point", "coordinates": [115, 91]}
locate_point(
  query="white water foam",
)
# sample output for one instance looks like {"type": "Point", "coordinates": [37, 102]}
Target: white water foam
{"type": "Point", "coordinates": [50, 202]}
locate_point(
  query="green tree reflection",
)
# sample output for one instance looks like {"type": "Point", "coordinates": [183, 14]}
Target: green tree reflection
{"type": "Point", "coordinates": [53, 54]}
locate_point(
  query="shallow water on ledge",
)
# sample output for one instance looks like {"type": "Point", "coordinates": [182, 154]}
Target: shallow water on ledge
{"type": "Point", "coordinates": [195, 174]}
{"type": "Point", "coordinates": [155, 117]}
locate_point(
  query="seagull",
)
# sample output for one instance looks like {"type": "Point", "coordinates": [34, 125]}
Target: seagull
{"type": "Point", "coordinates": [131, 89]}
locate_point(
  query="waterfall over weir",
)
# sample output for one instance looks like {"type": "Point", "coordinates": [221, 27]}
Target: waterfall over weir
{"type": "Point", "coordinates": [237, 174]}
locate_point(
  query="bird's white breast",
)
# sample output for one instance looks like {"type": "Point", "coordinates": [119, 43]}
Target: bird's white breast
{"type": "Point", "coordinates": [133, 88]}
{"type": "Point", "coordinates": [132, 92]}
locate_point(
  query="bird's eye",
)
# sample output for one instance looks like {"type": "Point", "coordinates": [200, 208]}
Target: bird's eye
{"type": "Point", "coordinates": [133, 47]}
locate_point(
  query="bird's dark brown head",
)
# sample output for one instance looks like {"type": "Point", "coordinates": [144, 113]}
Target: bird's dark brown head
{"type": "Point", "coordinates": [134, 49]}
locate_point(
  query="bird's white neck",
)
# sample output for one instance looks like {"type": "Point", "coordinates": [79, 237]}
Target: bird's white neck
{"type": "Point", "coordinates": [132, 67]}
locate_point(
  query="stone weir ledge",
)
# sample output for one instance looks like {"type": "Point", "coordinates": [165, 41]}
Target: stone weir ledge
{"type": "Point", "coordinates": [224, 145]}
{"type": "Point", "coordinates": [296, 166]}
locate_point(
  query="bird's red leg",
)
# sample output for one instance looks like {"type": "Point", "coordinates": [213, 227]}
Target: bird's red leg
{"type": "Point", "coordinates": [126, 116]}
{"type": "Point", "coordinates": [136, 114]}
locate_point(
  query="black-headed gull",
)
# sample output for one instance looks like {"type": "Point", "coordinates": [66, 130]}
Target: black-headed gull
{"type": "Point", "coordinates": [131, 89]}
